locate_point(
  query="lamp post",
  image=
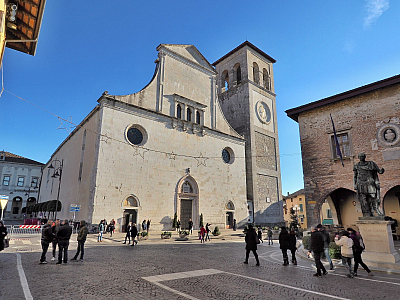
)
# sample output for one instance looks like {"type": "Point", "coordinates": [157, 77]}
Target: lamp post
{"type": "Point", "coordinates": [57, 173]}
{"type": "Point", "coordinates": [28, 191]}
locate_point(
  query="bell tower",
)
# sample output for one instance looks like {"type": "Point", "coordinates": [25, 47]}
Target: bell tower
{"type": "Point", "coordinates": [247, 98]}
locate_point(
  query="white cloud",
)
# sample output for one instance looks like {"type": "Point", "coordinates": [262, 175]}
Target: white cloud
{"type": "Point", "coordinates": [375, 9]}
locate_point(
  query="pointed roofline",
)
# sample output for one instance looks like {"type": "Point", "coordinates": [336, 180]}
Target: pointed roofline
{"type": "Point", "coordinates": [191, 46]}
{"type": "Point", "coordinates": [246, 43]}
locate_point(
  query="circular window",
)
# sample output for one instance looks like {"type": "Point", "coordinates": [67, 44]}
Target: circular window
{"type": "Point", "coordinates": [136, 135]}
{"type": "Point", "coordinates": [227, 155]}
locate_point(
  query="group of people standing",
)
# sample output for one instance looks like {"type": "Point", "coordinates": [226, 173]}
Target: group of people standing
{"type": "Point", "coordinates": [146, 225]}
{"type": "Point", "coordinates": [59, 233]}
{"type": "Point", "coordinates": [205, 233]}
{"type": "Point", "coordinates": [131, 232]}
{"type": "Point", "coordinates": [190, 225]}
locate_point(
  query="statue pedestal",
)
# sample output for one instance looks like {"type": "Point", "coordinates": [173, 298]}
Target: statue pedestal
{"type": "Point", "coordinates": [378, 241]}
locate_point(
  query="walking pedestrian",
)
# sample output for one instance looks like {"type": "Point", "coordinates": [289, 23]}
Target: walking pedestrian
{"type": "Point", "coordinates": [202, 233]}
{"type": "Point", "coordinates": [292, 245]}
{"type": "Point", "coordinates": [63, 235]}
{"type": "Point", "coordinates": [284, 244]}
{"type": "Point", "coordinates": [144, 225]}
{"type": "Point", "coordinates": [54, 228]}
{"type": "Point", "coordinates": [259, 234]}
{"type": "Point", "coordinates": [134, 233]}
{"type": "Point", "coordinates": [112, 227]}
{"type": "Point", "coordinates": [148, 225]}
{"type": "Point", "coordinates": [208, 232]}
{"type": "Point", "coordinates": [101, 230]}
{"type": "Point", "coordinates": [358, 248]}
{"type": "Point", "coordinates": [346, 249]}
{"type": "Point", "coordinates": [269, 234]}
{"type": "Point", "coordinates": [128, 233]}
{"type": "Point", "coordinates": [234, 224]}
{"type": "Point", "coordinates": [251, 244]}
{"type": "Point", "coordinates": [327, 240]}
{"type": "Point", "coordinates": [3, 233]}
{"type": "Point", "coordinates": [317, 247]}
{"type": "Point", "coordinates": [47, 238]}
{"type": "Point", "coordinates": [178, 225]}
{"type": "Point", "coordinates": [83, 231]}
{"type": "Point", "coordinates": [190, 223]}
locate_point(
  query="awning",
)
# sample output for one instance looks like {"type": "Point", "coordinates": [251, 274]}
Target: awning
{"type": "Point", "coordinates": [327, 222]}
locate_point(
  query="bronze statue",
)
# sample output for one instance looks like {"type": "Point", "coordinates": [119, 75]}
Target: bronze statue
{"type": "Point", "coordinates": [366, 183]}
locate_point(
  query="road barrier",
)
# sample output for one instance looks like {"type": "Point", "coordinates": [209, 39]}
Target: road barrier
{"type": "Point", "coordinates": [24, 229]}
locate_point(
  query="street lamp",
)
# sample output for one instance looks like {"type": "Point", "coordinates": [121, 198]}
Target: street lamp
{"type": "Point", "coordinates": [57, 173]}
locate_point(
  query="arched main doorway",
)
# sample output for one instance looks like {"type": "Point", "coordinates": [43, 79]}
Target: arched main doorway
{"type": "Point", "coordinates": [391, 205]}
{"type": "Point", "coordinates": [187, 202]}
{"type": "Point", "coordinates": [131, 207]}
{"type": "Point", "coordinates": [230, 210]}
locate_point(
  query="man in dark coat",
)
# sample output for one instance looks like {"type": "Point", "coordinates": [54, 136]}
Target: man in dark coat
{"type": "Point", "coordinates": [63, 236]}
{"type": "Point", "coordinates": [134, 233]}
{"type": "Point", "coordinates": [47, 238]}
{"type": "Point", "coordinates": [251, 240]}
{"type": "Point", "coordinates": [83, 231]}
{"type": "Point", "coordinates": [128, 233]}
{"type": "Point", "coordinates": [284, 245]}
{"type": "Point", "coordinates": [190, 223]}
{"type": "Point", "coordinates": [317, 246]}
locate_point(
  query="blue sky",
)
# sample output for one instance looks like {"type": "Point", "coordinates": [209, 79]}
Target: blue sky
{"type": "Point", "coordinates": [322, 48]}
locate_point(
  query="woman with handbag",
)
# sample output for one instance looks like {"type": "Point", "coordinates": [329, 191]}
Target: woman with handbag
{"type": "Point", "coordinates": [3, 233]}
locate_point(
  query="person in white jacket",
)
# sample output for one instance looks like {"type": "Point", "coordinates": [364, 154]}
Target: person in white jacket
{"type": "Point", "coordinates": [346, 249]}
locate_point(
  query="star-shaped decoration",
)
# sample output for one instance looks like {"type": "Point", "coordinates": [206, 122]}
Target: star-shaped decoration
{"type": "Point", "coordinates": [171, 155]}
{"type": "Point", "coordinates": [67, 128]}
{"type": "Point", "coordinates": [105, 138]}
{"type": "Point", "coordinates": [139, 151]}
{"type": "Point", "coordinates": [201, 160]}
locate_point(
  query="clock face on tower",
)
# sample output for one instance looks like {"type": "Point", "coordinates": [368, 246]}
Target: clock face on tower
{"type": "Point", "coordinates": [263, 112]}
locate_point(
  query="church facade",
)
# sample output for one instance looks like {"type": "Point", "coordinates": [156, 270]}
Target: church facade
{"type": "Point", "coordinates": [165, 150]}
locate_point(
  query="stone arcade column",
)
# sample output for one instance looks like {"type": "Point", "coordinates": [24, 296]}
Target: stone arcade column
{"type": "Point", "coordinates": [378, 240]}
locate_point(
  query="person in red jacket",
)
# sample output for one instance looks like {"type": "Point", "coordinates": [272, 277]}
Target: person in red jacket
{"type": "Point", "coordinates": [202, 233]}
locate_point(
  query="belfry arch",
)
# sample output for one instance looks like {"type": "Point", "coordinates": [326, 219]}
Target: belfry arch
{"type": "Point", "coordinates": [187, 201]}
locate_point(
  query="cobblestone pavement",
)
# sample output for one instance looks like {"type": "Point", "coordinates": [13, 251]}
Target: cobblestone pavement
{"type": "Point", "coordinates": [158, 269]}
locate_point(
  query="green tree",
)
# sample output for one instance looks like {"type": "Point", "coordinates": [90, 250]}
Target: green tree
{"type": "Point", "coordinates": [294, 220]}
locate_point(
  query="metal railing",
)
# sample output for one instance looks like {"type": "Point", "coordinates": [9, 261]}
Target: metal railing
{"type": "Point", "coordinates": [24, 229]}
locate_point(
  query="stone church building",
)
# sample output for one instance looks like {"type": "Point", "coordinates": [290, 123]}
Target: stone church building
{"type": "Point", "coordinates": [197, 139]}
{"type": "Point", "coordinates": [367, 120]}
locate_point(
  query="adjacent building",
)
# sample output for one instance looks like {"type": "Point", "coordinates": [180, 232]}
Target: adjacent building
{"type": "Point", "coordinates": [367, 120]}
{"type": "Point", "coordinates": [172, 148]}
{"type": "Point", "coordinates": [295, 203]}
{"type": "Point", "coordinates": [20, 22]}
{"type": "Point", "coordinates": [20, 179]}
